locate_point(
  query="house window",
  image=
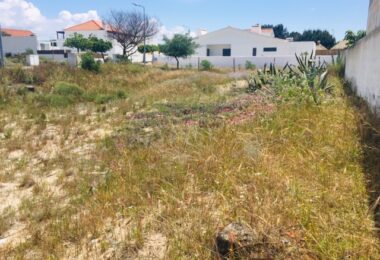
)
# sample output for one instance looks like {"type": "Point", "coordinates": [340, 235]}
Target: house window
{"type": "Point", "coordinates": [270, 49]}
{"type": "Point", "coordinates": [227, 52]}
{"type": "Point", "coordinates": [254, 52]}
{"type": "Point", "coordinates": [208, 52]}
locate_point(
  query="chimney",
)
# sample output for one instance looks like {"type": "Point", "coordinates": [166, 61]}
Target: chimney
{"type": "Point", "coordinates": [256, 29]}
{"type": "Point", "coordinates": [201, 32]}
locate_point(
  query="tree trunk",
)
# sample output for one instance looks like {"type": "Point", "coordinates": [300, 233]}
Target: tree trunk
{"type": "Point", "coordinates": [177, 62]}
{"type": "Point", "coordinates": [103, 57]}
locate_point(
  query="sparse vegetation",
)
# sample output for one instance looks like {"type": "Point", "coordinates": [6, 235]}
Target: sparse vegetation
{"type": "Point", "coordinates": [249, 65]}
{"type": "Point", "coordinates": [88, 63]}
{"type": "Point", "coordinates": [206, 65]}
{"type": "Point", "coordinates": [149, 158]}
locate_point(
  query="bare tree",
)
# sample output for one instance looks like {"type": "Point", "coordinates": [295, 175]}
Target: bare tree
{"type": "Point", "coordinates": [129, 29]}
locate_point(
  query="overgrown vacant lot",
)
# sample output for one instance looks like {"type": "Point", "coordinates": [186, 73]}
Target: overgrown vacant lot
{"type": "Point", "coordinates": [147, 163]}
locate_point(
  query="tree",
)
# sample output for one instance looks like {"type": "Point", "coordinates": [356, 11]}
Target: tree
{"type": "Point", "coordinates": [295, 35]}
{"type": "Point", "coordinates": [323, 36]}
{"type": "Point", "coordinates": [280, 31]}
{"type": "Point", "coordinates": [78, 42]}
{"type": "Point", "coordinates": [180, 46]}
{"type": "Point", "coordinates": [129, 29]}
{"type": "Point", "coordinates": [149, 49]}
{"type": "Point", "coordinates": [99, 45]}
{"type": "Point", "coordinates": [353, 38]}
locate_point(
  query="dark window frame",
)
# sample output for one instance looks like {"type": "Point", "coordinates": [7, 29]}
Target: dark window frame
{"type": "Point", "coordinates": [227, 52]}
{"type": "Point", "coordinates": [254, 52]}
{"type": "Point", "coordinates": [270, 49]}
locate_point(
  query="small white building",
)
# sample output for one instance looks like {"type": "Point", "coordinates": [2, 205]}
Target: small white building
{"type": "Point", "coordinates": [18, 41]}
{"type": "Point", "coordinates": [233, 42]}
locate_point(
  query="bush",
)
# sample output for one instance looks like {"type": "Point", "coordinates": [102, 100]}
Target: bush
{"type": "Point", "coordinates": [206, 65]}
{"type": "Point", "coordinates": [68, 89]}
{"type": "Point", "coordinates": [249, 65]}
{"type": "Point", "coordinates": [103, 99]}
{"type": "Point", "coordinates": [60, 101]}
{"type": "Point", "coordinates": [122, 59]}
{"type": "Point", "coordinates": [88, 62]}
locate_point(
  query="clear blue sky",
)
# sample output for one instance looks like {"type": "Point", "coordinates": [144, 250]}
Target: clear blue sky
{"type": "Point", "coordinates": [336, 16]}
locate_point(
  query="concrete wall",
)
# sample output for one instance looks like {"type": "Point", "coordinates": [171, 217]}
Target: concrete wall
{"type": "Point", "coordinates": [374, 15]}
{"type": "Point", "coordinates": [17, 45]}
{"type": "Point", "coordinates": [54, 57]}
{"type": "Point", "coordinates": [363, 61]}
{"type": "Point", "coordinates": [229, 62]}
{"type": "Point", "coordinates": [363, 69]}
{"type": "Point", "coordinates": [237, 62]}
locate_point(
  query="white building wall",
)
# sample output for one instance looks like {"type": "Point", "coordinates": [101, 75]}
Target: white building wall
{"type": "Point", "coordinates": [242, 44]}
{"type": "Point", "coordinates": [17, 45]}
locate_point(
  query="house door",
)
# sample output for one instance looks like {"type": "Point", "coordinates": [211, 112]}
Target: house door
{"type": "Point", "coordinates": [227, 52]}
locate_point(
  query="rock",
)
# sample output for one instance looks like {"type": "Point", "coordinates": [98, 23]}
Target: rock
{"type": "Point", "coordinates": [16, 155]}
{"type": "Point", "coordinates": [236, 240]}
{"type": "Point", "coordinates": [31, 88]}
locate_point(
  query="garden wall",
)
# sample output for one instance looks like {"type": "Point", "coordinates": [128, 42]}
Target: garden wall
{"type": "Point", "coordinates": [236, 62]}
{"type": "Point", "coordinates": [363, 65]}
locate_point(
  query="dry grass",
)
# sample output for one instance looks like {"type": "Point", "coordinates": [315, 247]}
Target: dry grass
{"type": "Point", "coordinates": [184, 157]}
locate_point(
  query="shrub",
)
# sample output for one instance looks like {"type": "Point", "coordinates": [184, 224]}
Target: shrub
{"type": "Point", "coordinates": [122, 59]}
{"type": "Point", "coordinates": [104, 98]}
{"type": "Point", "coordinates": [338, 66]}
{"type": "Point", "coordinates": [53, 100]}
{"type": "Point", "coordinates": [29, 51]}
{"type": "Point", "coordinates": [121, 94]}
{"type": "Point", "coordinates": [206, 65]}
{"type": "Point", "coordinates": [88, 62]}
{"type": "Point", "coordinates": [68, 89]}
{"type": "Point", "coordinates": [249, 65]}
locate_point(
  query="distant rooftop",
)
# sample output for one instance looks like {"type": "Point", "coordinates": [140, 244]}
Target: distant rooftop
{"type": "Point", "coordinates": [16, 32]}
{"type": "Point", "coordinates": [87, 26]}
{"type": "Point", "coordinates": [341, 45]}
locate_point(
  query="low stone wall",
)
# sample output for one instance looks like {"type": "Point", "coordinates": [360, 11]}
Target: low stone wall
{"type": "Point", "coordinates": [363, 69]}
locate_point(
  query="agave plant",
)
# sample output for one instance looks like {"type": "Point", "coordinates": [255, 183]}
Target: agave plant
{"type": "Point", "coordinates": [314, 72]}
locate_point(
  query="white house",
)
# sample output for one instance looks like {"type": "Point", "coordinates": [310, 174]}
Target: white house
{"type": "Point", "coordinates": [232, 47]}
{"type": "Point", "coordinates": [92, 27]}
{"type": "Point", "coordinates": [233, 42]}
{"type": "Point", "coordinates": [95, 28]}
{"type": "Point", "coordinates": [18, 41]}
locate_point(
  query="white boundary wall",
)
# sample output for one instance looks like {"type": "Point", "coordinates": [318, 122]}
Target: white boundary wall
{"type": "Point", "coordinates": [236, 62]}
{"type": "Point", "coordinates": [363, 69]}
{"type": "Point", "coordinates": [228, 62]}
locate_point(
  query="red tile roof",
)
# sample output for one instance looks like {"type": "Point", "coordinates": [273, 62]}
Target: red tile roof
{"type": "Point", "coordinates": [87, 26]}
{"type": "Point", "coordinates": [17, 33]}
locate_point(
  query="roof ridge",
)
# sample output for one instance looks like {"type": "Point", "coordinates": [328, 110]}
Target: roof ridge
{"type": "Point", "coordinates": [97, 23]}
